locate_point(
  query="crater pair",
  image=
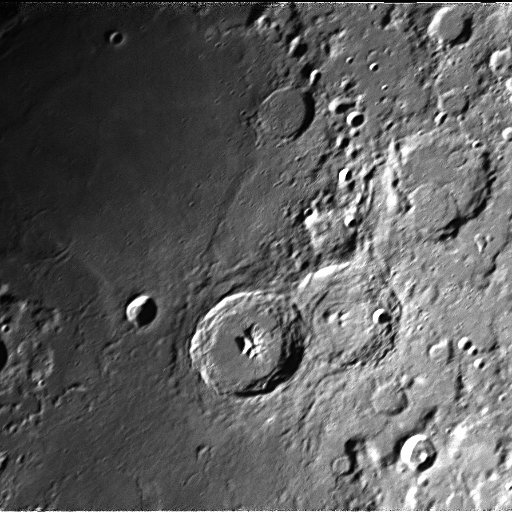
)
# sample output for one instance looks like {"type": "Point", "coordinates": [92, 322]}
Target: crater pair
{"type": "Point", "coordinates": [252, 341]}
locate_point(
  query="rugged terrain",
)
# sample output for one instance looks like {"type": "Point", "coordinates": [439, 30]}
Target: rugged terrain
{"type": "Point", "coordinates": [255, 256]}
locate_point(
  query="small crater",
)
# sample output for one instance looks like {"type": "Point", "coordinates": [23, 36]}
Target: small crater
{"type": "Point", "coordinates": [115, 38]}
{"type": "Point", "coordinates": [440, 118]}
{"type": "Point", "coordinates": [342, 465]}
{"type": "Point", "coordinates": [355, 119]}
{"type": "Point", "coordinates": [418, 453]}
{"type": "Point", "coordinates": [353, 447]}
{"type": "Point", "coordinates": [340, 104]}
{"type": "Point", "coordinates": [314, 76]}
{"type": "Point", "coordinates": [141, 311]}
{"type": "Point", "coordinates": [440, 352]}
{"type": "Point", "coordinates": [506, 134]}
{"type": "Point", "coordinates": [473, 351]}
{"type": "Point", "coordinates": [381, 316]}
{"type": "Point", "coordinates": [479, 363]}
{"type": "Point", "coordinates": [297, 48]}
{"type": "Point", "coordinates": [345, 176]}
{"type": "Point", "coordinates": [4, 460]}
{"type": "Point", "coordinates": [500, 61]}
{"type": "Point", "coordinates": [464, 344]}
{"type": "Point", "coordinates": [453, 102]}
{"type": "Point", "coordinates": [389, 399]}
{"type": "Point", "coordinates": [350, 221]}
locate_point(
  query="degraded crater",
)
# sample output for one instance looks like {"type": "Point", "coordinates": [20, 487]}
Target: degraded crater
{"type": "Point", "coordinates": [285, 113]}
{"type": "Point", "coordinates": [389, 399]}
{"type": "Point", "coordinates": [451, 25]}
{"type": "Point", "coordinates": [354, 314]}
{"type": "Point", "coordinates": [445, 180]}
{"type": "Point", "coordinates": [435, 210]}
{"type": "Point", "coordinates": [248, 343]}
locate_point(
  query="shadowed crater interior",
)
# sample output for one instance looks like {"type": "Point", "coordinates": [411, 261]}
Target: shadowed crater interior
{"type": "Point", "coordinates": [4, 356]}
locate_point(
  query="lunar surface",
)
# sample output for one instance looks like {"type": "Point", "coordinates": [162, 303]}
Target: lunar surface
{"type": "Point", "coordinates": [255, 256]}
